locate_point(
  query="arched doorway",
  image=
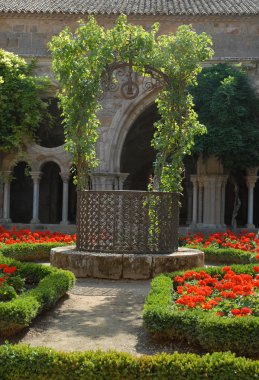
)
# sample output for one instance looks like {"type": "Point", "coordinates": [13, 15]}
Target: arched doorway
{"type": "Point", "coordinates": [137, 154]}
{"type": "Point", "coordinates": [21, 194]}
{"type": "Point", "coordinates": [50, 202]}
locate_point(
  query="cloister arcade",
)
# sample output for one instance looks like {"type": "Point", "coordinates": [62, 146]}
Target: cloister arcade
{"type": "Point", "coordinates": [38, 189]}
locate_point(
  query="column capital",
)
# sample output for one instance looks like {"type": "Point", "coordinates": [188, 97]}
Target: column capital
{"type": "Point", "coordinates": [6, 176]}
{"type": "Point", "coordinates": [194, 179]}
{"type": "Point", "coordinates": [251, 181]}
{"type": "Point", "coordinates": [36, 176]}
{"type": "Point", "coordinates": [65, 176]}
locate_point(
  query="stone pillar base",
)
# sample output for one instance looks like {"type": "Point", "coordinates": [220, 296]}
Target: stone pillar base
{"type": "Point", "coordinates": [250, 226]}
{"type": "Point", "coordinates": [35, 221]}
{"type": "Point", "coordinates": [5, 220]}
{"type": "Point", "coordinates": [65, 223]}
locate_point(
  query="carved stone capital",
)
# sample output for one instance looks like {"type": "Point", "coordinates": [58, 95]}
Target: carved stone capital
{"type": "Point", "coordinates": [65, 176]}
{"type": "Point", "coordinates": [251, 181]}
{"type": "Point", "coordinates": [36, 176]}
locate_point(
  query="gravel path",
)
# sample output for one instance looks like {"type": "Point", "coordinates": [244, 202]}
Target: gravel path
{"type": "Point", "coordinates": [98, 314]}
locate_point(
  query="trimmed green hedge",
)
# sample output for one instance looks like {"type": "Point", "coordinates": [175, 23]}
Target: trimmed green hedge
{"type": "Point", "coordinates": [52, 284]}
{"type": "Point", "coordinates": [213, 333]}
{"type": "Point", "coordinates": [22, 362]}
{"type": "Point", "coordinates": [227, 255]}
{"type": "Point", "coordinates": [29, 252]}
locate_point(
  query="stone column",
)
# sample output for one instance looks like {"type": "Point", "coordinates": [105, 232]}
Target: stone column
{"type": "Point", "coordinates": [121, 179]}
{"type": "Point", "coordinates": [250, 181]}
{"type": "Point", "coordinates": [6, 201]}
{"type": "Point", "coordinates": [65, 178]}
{"type": "Point", "coordinates": [218, 187]}
{"type": "Point", "coordinates": [195, 199]}
{"type": "Point", "coordinates": [212, 204]}
{"type": "Point", "coordinates": [189, 203]}
{"type": "Point", "coordinates": [36, 176]}
{"type": "Point", "coordinates": [223, 201]}
{"type": "Point", "coordinates": [206, 201]}
{"type": "Point", "coordinates": [200, 202]}
{"type": "Point", "coordinates": [108, 181]}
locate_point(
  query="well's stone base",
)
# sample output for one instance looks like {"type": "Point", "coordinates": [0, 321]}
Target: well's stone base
{"type": "Point", "coordinates": [124, 266]}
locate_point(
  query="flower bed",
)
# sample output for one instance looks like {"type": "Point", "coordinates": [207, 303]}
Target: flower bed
{"type": "Point", "coordinates": [15, 236]}
{"type": "Point", "coordinates": [216, 308]}
{"type": "Point", "coordinates": [225, 247]}
{"type": "Point", "coordinates": [38, 363]}
{"type": "Point", "coordinates": [26, 245]}
{"type": "Point", "coordinates": [18, 305]}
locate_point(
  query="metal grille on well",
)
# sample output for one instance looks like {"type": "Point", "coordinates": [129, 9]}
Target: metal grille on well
{"type": "Point", "coordinates": [127, 222]}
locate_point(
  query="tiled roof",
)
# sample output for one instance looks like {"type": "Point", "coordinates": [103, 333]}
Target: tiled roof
{"type": "Point", "coordinates": [138, 7]}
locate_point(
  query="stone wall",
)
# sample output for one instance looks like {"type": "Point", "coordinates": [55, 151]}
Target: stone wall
{"type": "Point", "coordinates": [235, 36]}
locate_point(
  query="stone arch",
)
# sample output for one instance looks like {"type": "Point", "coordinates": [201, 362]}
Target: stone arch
{"type": "Point", "coordinates": [39, 156]}
{"type": "Point", "coordinates": [121, 124]}
{"type": "Point", "coordinates": [11, 160]}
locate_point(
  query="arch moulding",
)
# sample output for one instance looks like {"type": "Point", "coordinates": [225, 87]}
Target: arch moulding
{"type": "Point", "coordinates": [121, 124]}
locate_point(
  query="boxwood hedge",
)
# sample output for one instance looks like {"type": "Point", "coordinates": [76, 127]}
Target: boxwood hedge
{"type": "Point", "coordinates": [213, 333]}
{"type": "Point", "coordinates": [29, 252]}
{"type": "Point", "coordinates": [24, 362]}
{"type": "Point", "coordinates": [227, 255]}
{"type": "Point", "coordinates": [51, 285]}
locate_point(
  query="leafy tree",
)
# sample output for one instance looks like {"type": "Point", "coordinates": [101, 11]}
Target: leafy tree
{"type": "Point", "coordinates": [228, 106]}
{"type": "Point", "coordinates": [81, 58]}
{"type": "Point", "coordinates": [21, 108]}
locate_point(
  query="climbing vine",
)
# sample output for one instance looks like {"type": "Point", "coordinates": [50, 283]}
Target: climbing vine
{"type": "Point", "coordinates": [80, 60]}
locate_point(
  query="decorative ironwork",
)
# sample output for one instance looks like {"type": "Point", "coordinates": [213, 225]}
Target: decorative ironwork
{"type": "Point", "coordinates": [119, 222]}
{"type": "Point", "coordinates": [121, 76]}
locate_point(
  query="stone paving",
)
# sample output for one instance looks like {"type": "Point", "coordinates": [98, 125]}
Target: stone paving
{"type": "Point", "coordinates": [98, 314]}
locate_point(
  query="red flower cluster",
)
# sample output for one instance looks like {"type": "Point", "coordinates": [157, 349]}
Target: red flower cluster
{"type": "Point", "coordinates": [5, 272]}
{"type": "Point", "coordinates": [15, 236]}
{"type": "Point", "coordinates": [245, 241]}
{"type": "Point", "coordinates": [222, 292]}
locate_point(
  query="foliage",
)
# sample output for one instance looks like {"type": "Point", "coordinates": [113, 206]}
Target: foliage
{"type": "Point", "coordinates": [29, 251]}
{"type": "Point", "coordinates": [51, 283]}
{"type": "Point", "coordinates": [80, 60]}
{"type": "Point", "coordinates": [211, 332]}
{"type": "Point", "coordinates": [227, 256]}
{"type": "Point", "coordinates": [227, 105]}
{"type": "Point", "coordinates": [21, 108]}
{"type": "Point", "coordinates": [38, 363]}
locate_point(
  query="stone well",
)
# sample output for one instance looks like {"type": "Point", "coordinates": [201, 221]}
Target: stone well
{"type": "Point", "coordinates": [126, 235]}
{"type": "Point", "coordinates": [124, 266]}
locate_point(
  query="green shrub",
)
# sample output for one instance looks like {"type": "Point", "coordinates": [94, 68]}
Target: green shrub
{"type": "Point", "coordinates": [16, 282]}
{"type": "Point", "coordinates": [22, 362]}
{"type": "Point", "coordinates": [226, 255]}
{"type": "Point", "coordinates": [29, 252]}
{"type": "Point", "coordinates": [52, 283]}
{"type": "Point", "coordinates": [213, 333]}
{"type": "Point", "coordinates": [7, 292]}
